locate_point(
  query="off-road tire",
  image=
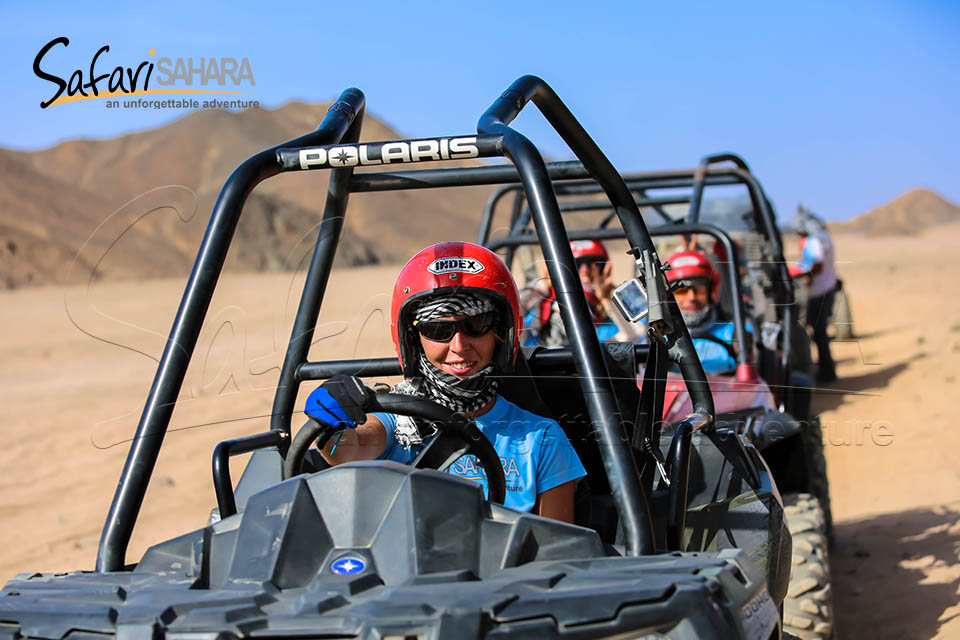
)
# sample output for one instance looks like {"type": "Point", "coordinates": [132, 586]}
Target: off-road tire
{"type": "Point", "coordinates": [841, 318]}
{"type": "Point", "coordinates": [808, 607]}
{"type": "Point", "coordinates": [818, 483]}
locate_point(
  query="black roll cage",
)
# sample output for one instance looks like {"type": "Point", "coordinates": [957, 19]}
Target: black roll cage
{"type": "Point", "coordinates": [335, 146]}
{"type": "Point", "coordinates": [705, 174]}
{"type": "Point", "coordinates": [579, 183]}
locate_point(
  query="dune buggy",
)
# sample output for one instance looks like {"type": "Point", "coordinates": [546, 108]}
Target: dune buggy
{"type": "Point", "coordinates": [791, 447]}
{"type": "Point", "coordinates": [379, 550]}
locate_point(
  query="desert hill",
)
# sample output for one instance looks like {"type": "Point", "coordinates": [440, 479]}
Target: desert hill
{"type": "Point", "coordinates": [136, 206]}
{"type": "Point", "coordinates": [909, 213]}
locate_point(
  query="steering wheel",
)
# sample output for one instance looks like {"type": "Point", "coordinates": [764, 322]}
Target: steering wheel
{"type": "Point", "coordinates": [457, 436]}
{"type": "Point", "coordinates": [726, 345]}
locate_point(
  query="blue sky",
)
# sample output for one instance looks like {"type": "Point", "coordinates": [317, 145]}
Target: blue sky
{"type": "Point", "coordinates": [840, 105]}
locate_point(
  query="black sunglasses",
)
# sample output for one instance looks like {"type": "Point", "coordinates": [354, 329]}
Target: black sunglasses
{"type": "Point", "coordinates": [444, 330]}
{"type": "Point", "coordinates": [589, 262]}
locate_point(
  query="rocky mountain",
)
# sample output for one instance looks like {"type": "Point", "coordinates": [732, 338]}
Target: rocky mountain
{"type": "Point", "coordinates": [136, 206]}
{"type": "Point", "coordinates": [909, 213]}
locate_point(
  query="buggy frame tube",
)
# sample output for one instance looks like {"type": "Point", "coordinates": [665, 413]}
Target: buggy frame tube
{"type": "Point", "coordinates": [650, 410]}
{"type": "Point", "coordinates": [700, 175]}
{"type": "Point", "coordinates": [365, 367]}
{"type": "Point", "coordinates": [678, 458]}
{"type": "Point", "coordinates": [622, 472]}
{"type": "Point", "coordinates": [516, 211]}
{"type": "Point", "coordinates": [222, 484]}
{"type": "Point", "coordinates": [655, 203]}
{"type": "Point", "coordinates": [630, 497]}
{"type": "Point", "coordinates": [490, 207]}
{"type": "Point", "coordinates": [656, 206]}
{"type": "Point", "coordinates": [761, 205]}
{"type": "Point", "coordinates": [763, 208]}
{"type": "Point", "coordinates": [670, 179]}
{"type": "Point", "coordinates": [639, 183]}
{"type": "Point", "coordinates": [185, 331]}
{"type": "Point", "coordinates": [714, 176]}
{"type": "Point", "coordinates": [681, 178]}
{"type": "Point", "coordinates": [380, 367]}
{"type": "Point", "coordinates": [314, 288]}
{"type": "Point", "coordinates": [321, 263]}
{"type": "Point", "coordinates": [457, 177]}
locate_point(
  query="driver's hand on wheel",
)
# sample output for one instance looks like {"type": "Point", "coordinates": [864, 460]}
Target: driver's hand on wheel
{"type": "Point", "coordinates": [339, 402]}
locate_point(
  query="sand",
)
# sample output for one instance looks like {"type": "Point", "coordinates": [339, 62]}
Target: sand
{"type": "Point", "coordinates": [77, 362]}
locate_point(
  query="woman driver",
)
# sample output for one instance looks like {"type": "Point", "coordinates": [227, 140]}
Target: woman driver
{"type": "Point", "coordinates": [455, 321]}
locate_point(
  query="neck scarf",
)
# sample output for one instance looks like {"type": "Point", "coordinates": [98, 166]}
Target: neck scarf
{"type": "Point", "coordinates": [463, 395]}
{"type": "Point", "coordinates": [700, 322]}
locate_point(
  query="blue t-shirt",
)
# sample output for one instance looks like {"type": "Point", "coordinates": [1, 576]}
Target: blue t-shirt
{"type": "Point", "coordinates": [606, 329]}
{"type": "Point", "coordinates": [534, 451]}
{"type": "Point", "coordinates": [714, 358]}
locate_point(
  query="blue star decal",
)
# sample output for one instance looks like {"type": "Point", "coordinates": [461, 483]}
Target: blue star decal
{"type": "Point", "coordinates": [348, 566]}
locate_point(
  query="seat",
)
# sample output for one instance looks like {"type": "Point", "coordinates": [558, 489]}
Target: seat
{"type": "Point", "coordinates": [554, 392]}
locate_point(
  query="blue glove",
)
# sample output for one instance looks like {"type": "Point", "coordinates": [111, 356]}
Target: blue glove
{"type": "Point", "coordinates": [339, 402]}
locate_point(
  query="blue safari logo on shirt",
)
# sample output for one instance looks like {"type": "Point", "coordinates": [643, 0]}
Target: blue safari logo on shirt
{"type": "Point", "coordinates": [466, 467]}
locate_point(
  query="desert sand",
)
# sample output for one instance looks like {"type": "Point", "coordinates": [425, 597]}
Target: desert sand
{"type": "Point", "coordinates": [76, 364]}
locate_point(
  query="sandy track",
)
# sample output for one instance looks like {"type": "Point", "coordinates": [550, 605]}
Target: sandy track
{"type": "Point", "coordinates": [76, 364]}
{"type": "Point", "coordinates": [892, 441]}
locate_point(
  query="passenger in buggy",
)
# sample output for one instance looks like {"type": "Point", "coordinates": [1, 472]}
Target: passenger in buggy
{"type": "Point", "coordinates": [542, 321]}
{"type": "Point", "coordinates": [455, 321]}
{"type": "Point", "coordinates": [698, 298]}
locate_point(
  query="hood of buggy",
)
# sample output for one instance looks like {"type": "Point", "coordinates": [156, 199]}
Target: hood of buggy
{"type": "Point", "coordinates": [375, 550]}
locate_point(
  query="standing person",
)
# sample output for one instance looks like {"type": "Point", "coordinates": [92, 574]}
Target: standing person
{"type": "Point", "coordinates": [817, 267]}
{"type": "Point", "coordinates": [455, 320]}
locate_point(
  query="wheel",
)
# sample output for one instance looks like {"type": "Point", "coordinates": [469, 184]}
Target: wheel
{"type": "Point", "coordinates": [808, 607]}
{"type": "Point", "coordinates": [457, 436]}
{"type": "Point", "coordinates": [842, 319]}
{"type": "Point", "coordinates": [818, 484]}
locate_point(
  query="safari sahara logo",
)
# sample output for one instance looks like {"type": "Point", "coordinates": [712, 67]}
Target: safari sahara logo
{"type": "Point", "coordinates": [166, 75]}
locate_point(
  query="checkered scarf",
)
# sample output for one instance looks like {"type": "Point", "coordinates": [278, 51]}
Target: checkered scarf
{"type": "Point", "coordinates": [463, 395]}
{"type": "Point", "coordinates": [699, 323]}
{"type": "Point", "coordinates": [460, 303]}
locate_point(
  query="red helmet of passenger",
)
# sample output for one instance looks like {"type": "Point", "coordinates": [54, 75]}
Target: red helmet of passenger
{"type": "Point", "coordinates": [451, 267]}
{"type": "Point", "coordinates": [584, 249]}
{"type": "Point", "coordinates": [693, 265]}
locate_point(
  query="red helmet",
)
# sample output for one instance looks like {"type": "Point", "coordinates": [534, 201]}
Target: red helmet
{"type": "Point", "coordinates": [448, 267]}
{"type": "Point", "coordinates": [693, 265]}
{"type": "Point", "coordinates": [589, 249]}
